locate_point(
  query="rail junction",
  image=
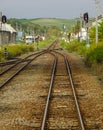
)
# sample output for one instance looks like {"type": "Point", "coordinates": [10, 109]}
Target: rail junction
{"type": "Point", "coordinates": [61, 100]}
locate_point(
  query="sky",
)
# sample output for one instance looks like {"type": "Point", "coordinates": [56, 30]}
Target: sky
{"type": "Point", "coordinates": [68, 9]}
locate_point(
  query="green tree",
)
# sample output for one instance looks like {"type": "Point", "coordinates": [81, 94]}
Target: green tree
{"type": "Point", "coordinates": [53, 30]}
{"type": "Point", "coordinates": [100, 30]}
{"type": "Point", "coordinates": [92, 31]}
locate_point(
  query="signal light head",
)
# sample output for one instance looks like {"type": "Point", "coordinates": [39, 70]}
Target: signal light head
{"type": "Point", "coordinates": [86, 17]}
{"type": "Point", "coordinates": [4, 19]}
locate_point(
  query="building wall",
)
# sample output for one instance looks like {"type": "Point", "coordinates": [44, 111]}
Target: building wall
{"type": "Point", "coordinates": [7, 37]}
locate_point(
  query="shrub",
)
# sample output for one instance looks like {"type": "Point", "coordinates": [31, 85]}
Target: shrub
{"type": "Point", "coordinates": [15, 50]}
{"type": "Point", "coordinates": [95, 56]}
{"type": "Point", "coordinates": [75, 46]}
{"type": "Point", "coordinates": [92, 54]}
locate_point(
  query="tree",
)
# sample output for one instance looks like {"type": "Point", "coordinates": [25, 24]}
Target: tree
{"type": "Point", "coordinates": [100, 30]}
{"type": "Point", "coordinates": [92, 31]}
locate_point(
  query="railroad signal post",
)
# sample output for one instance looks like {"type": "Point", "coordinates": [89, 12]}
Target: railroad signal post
{"type": "Point", "coordinates": [4, 19]}
{"type": "Point", "coordinates": [0, 29]}
{"type": "Point", "coordinates": [86, 19]}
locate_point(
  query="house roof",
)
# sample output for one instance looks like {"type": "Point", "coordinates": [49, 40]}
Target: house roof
{"type": "Point", "coordinates": [8, 28]}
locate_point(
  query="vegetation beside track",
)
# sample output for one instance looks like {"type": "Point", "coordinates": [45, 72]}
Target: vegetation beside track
{"type": "Point", "coordinates": [15, 50]}
{"type": "Point", "coordinates": [92, 54]}
{"type": "Point", "coordinates": [41, 24]}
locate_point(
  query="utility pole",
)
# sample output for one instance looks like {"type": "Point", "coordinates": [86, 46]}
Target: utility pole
{"type": "Point", "coordinates": [81, 21]}
{"type": "Point", "coordinates": [0, 20]}
{"type": "Point", "coordinates": [17, 27]}
{"type": "Point", "coordinates": [0, 29]}
{"type": "Point", "coordinates": [98, 12]}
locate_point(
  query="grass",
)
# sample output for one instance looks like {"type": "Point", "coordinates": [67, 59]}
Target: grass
{"type": "Point", "coordinates": [95, 54]}
{"type": "Point", "coordinates": [48, 22]}
{"type": "Point", "coordinates": [14, 50]}
{"type": "Point", "coordinates": [92, 54]}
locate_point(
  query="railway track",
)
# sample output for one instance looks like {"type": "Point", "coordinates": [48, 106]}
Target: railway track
{"type": "Point", "coordinates": [57, 106]}
{"type": "Point", "coordinates": [10, 72]}
{"type": "Point", "coordinates": [60, 83]}
{"type": "Point", "coordinates": [62, 110]}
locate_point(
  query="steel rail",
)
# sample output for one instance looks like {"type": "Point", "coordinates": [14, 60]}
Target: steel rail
{"type": "Point", "coordinates": [6, 70]}
{"type": "Point", "coordinates": [73, 89]}
{"type": "Point", "coordinates": [49, 93]}
{"type": "Point", "coordinates": [12, 76]}
{"type": "Point", "coordinates": [52, 46]}
{"type": "Point", "coordinates": [3, 72]}
{"type": "Point", "coordinates": [20, 69]}
{"type": "Point", "coordinates": [75, 96]}
{"type": "Point", "coordinates": [22, 60]}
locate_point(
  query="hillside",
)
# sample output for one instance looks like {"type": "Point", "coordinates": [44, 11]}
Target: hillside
{"type": "Point", "coordinates": [50, 22]}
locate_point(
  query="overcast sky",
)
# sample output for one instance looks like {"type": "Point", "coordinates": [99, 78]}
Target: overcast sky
{"type": "Point", "coordinates": [47, 8]}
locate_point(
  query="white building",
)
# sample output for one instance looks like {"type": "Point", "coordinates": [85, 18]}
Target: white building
{"type": "Point", "coordinates": [83, 34]}
{"type": "Point", "coordinates": [7, 34]}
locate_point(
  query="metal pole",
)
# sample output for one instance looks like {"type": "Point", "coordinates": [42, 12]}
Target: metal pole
{"type": "Point", "coordinates": [80, 27]}
{"type": "Point", "coordinates": [96, 32]}
{"type": "Point", "coordinates": [0, 20]}
{"type": "Point", "coordinates": [0, 29]}
{"type": "Point", "coordinates": [96, 29]}
{"type": "Point", "coordinates": [87, 35]}
{"type": "Point", "coordinates": [98, 11]}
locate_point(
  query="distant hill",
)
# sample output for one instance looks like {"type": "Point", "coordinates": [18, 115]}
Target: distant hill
{"type": "Point", "coordinates": [50, 22]}
{"type": "Point", "coordinates": [37, 23]}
